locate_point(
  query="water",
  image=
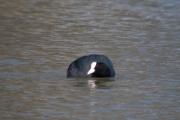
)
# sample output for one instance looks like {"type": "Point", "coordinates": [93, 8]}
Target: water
{"type": "Point", "coordinates": [39, 38]}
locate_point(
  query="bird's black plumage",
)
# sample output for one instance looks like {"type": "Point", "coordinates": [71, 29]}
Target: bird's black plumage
{"type": "Point", "coordinates": [81, 66]}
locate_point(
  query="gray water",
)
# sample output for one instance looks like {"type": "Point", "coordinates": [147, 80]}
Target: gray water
{"type": "Point", "coordinates": [39, 39]}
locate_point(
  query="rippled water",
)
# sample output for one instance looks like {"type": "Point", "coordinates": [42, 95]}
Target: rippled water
{"type": "Point", "coordinates": [39, 38]}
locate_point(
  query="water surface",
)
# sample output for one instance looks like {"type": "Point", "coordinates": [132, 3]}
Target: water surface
{"type": "Point", "coordinates": [39, 38]}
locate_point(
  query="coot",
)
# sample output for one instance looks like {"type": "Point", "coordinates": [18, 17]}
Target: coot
{"type": "Point", "coordinates": [91, 66]}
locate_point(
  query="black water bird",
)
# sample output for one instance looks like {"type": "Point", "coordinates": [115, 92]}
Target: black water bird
{"type": "Point", "coordinates": [93, 65]}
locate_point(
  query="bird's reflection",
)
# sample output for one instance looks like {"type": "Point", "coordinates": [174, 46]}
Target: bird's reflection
{"type": "Point", "coordinates": [95, 83]}
{"type": "Point", "coordinates": [92, 84]}
{"type": "Point", "coordinates": [92, 87]}
{"type": "Point", "coordinates": [100, 83]}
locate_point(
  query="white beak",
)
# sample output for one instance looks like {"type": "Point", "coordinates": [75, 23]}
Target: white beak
{"type": "Point", "coordinates": [92, 69]}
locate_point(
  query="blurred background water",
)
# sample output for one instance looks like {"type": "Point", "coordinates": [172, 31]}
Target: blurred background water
{"type": "Point", "coordinates": [39, 38]}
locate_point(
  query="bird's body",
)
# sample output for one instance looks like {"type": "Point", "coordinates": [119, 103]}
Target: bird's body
{"type": "Point", "coordinates": [91, 66]}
